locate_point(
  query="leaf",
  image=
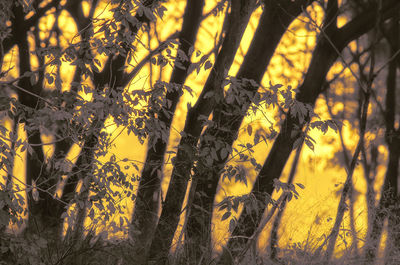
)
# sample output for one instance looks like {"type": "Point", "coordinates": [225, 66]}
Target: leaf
{"type": "Point", "coordinates": [192, 67]}
{"type": "Point", "coordinates": [148, 13]}
{"type": "Point", "coordinates": [297, 143]}
{"type": "Point", "coordinates": [253, 83]}
{"type": "Point", "coordinates": [289, 196]}
{"type": "Point", "coordinates": [249, 130]}
{"type": "Point", "coordinates": [332, 124]}
{"type": "Point", "coordinates": [32, 79]}
{"type": "Point", "coordinates": [191, 50]}
{"type": "Point", "coordinates": [224, 153]}
{"type": "Point", "coordinates": [301, 186]}
{"type": "Point", "coordinates": [180, 65]}
{"type": "Point", "coordinates": [207, 65]}
{"type": "Point", "coordinates": [182, 55]}
{"type": "Point", "coordinates": [161, 11]}
{"type": "Point", "coordinates": [35, 193]}
{"type": "Point", "coordinates": [309, 144]}
{"type": "Point", "coordinates": [97, 62]}
{"type": "Point", "coordinates": [232, 224]}
{"type": "Point", "coordinates": [256, 139]}
{"type": "Point", "coordinates": [91, 214]}
{"type": "Point", "coordinates": [226, 216]}
{"type": "Point", "coordinates": [235, 205]}
{"type": "Point", "coordinates": [50, 79]}
{"type": "Point", "coordinates": [140, 11]}
{"type": "Point", "coordinates": [213, 154]}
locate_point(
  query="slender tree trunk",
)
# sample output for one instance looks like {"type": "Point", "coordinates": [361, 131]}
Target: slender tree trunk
{"type": "Point", "coordinates": [35, 159]}
{"type": "Point", "coordinates": [113, 76]}
{"type": "Point", "coordinates": [369, 176]}
{"type": "Point", "coordinates": [325, 54]}
{"type": "Point", "coordinates": [388, 198]}
{"type": "Point", "coordinates": [228, 117]}
{"type": "Point", "coordinates": [348, 169]}
{"type": "Point", "coordinates": [392, 243]}
{"type": "Point", "coordinates": [348, 184]}
{"type": "Point", "coordinates": [63, 146]}
{"type": "Point", "coordinates": [390, 187]}
{"type": "Point", "coordinates": [147, 201]}
{"type": "Point", "coordinates": [283, 145]}
{"type": "Point", "coordinates": [393, 140]}
{"type": "Point", "coordinates": [171, 209]}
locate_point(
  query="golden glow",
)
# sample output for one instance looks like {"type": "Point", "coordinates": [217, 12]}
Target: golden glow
{"type": "Point", "coordinates": [306, 220]}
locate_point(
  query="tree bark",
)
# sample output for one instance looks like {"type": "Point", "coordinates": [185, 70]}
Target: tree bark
{"type": "Point", "coordinates": [112, 75]}
{"type": "Point", "coordinates": [145, 215]}
{"type": "Point", "coordinates": [171, 208]}
{"type": "Point", "coordinates": [35, 159]}
{"type": "Point", "coordinates": [228, 117]}
{"type": "Point", "coordinates": [325, 54]}
{"type": "Point", "coordinates": [389, 194]}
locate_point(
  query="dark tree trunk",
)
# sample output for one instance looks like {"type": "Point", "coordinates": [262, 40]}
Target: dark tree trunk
{"type": "Point", "coordinates": [112, 75]}
{"type": "Point", "coordinates": [393, 141]}
{"type": "Point", "coordinates": [388, 198]}
{"type": "Point", "coordinates": [171, 209]}
{"type": "Point", "coordinates": [35, 172]}
{"type": "Point", "coordinates": [147, 201]}
{"type": "Point", "coordinates": [228, 117]}
{"type": "Point", "coordinates": [325, 54]}
{"type": "Point", "coordinates": [389, 195]}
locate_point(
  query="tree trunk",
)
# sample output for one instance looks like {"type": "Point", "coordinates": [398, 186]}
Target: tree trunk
{"type": "Point", "coordinates": [325, 54]}
{"type": "Point", "coordinates": [228, 117]}
{"type": "Point", "coordinates": [145, 215]}
{"type": "Point", "coordinates": [171, 209]}
{"type": "Point", "coordinates": [112, 75]}
{"type": "Point", "coordinates": [35, 169]}
{"type": "Point", "coordinates": [389, 194]}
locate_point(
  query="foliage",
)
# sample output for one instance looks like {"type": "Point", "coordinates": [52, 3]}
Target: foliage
{"type": "Point", "coordinates": [70, 77]}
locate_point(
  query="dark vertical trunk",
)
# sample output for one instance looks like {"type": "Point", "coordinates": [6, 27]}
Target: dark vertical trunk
{"type": "Point", "coordinates": [393, 140]}
{"type": "Point", "coordinates": [147, 201]}
{"type": "Point", "coordinates": [388, 198]}
{"type": "Point", "coordinates": [323, 58]}
{"type": "Point", "coordinates": [325, 54]}
{"type": "Point", "coordinates": [392, 243]}
{"type": "Point", "coordinates": [35, 172]}
{"type": "Point", "coordinates": [389, 193]}
{"type": "Point", "coordinates": [171, 210]}
{"type": "Point", "coordinates": [369, 176]}
{"type": "Point", "coordinates": [348, 167]}
{"type": "Point", "coordinates": [63, 146]}
{"type": "Point", "coordinates": [228, 117]}
{"type": "Point", "coordinates": [112, 75]}
{"type": "Point", "coordinates": [9, 40]}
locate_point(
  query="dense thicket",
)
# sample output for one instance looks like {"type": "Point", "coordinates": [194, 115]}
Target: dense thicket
{"type": "Point", "coordinates": [70, 71]}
